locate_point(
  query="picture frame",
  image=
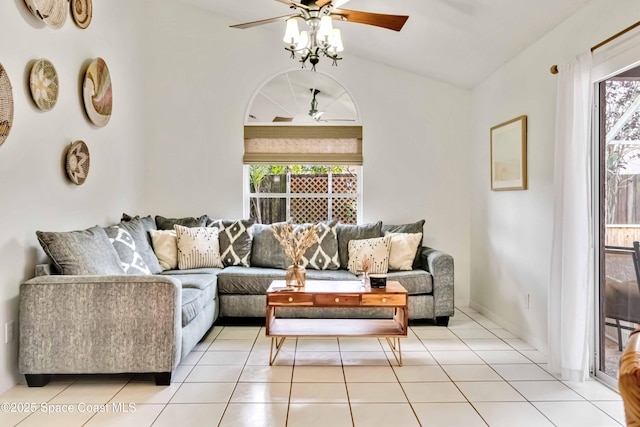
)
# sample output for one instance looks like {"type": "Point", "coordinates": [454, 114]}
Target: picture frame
{"type": "Point", "coordinates": [509, 155]}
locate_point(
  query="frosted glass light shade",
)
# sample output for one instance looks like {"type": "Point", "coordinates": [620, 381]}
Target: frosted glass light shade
{"type": "Point", "coordinates": [326, 29]}
{"type": "Point", "coordinates": [292, 33]}
{"type": "Point", "coordinates": [303, 40]}
{"type": "Point", "coordinates": [336, 40]}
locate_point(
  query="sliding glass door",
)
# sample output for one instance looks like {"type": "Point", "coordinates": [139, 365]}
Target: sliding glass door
{"type": "Point", "coordinates": [619, 218]}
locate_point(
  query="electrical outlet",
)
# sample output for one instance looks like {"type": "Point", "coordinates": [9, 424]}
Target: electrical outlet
{"type": "Point", "coordinates": [9, 332]}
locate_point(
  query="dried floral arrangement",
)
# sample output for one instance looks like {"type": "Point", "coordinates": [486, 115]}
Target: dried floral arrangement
{"type": "Point", "coordinates": [295, 242]}
{"type": "Point", "coordinates": [365, 265]}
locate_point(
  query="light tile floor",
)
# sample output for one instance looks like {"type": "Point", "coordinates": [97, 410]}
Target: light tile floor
{"type": "Point", "coordinates": [472, 373]}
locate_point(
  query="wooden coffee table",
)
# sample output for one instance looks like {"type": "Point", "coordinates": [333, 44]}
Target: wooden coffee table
{"type": "Point", "coordinates": [331, 293]}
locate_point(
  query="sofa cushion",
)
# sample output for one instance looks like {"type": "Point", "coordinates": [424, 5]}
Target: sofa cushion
{"type": "Point", "coordinates": [198, 247]}
{"type": "Point", "coordinates": [125, 246]}
{"type": "Point", "coordinates": [266, 251]}
{"type": "Point", "coordinates": [235, 241]}
{"type": "Point", "coordinates": [323, 255]}
{"type": "Point", "coordinates": [165, 246]}
{"type": "Point", "coordinates": [348, 232]}
{"type": "Point", "coordinates": [414, 227]}
{"type": "Point", "coordinates": [167, 223]}
{"type": "Point", "coordinates": [81, 252]}
{"type": "Point", "coordinates": [213, 271]}
{"type": "Point", "coordinates": [416, 282]}
{"type": "Point", "coordinates": [137, 227]}
{"type": "Point", "coordinates": [195, 280]}
{"type": "Point", "coordinates": [256, 280]}
{"type": "Point", "coordinates": [375, 252]}
{"type": "Point", "coordinates": [403, 250]}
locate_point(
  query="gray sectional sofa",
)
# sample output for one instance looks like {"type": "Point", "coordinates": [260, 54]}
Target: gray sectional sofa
{"type": "Point", "coordinates": [81, 315]}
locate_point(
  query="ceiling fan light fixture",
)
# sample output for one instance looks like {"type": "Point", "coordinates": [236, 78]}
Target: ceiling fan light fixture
{"type": "Point", "coordinates": [336, 41]}
{"type": "Point", "coordinates": [292, 33]}
{"type": "Point", "coordinates": [303, 41]}
{"type": "Point", "coordinates": [325, 31]}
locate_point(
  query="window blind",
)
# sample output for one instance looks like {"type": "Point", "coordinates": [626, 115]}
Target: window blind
{"type": "Point", "coordinates": [328, 145]}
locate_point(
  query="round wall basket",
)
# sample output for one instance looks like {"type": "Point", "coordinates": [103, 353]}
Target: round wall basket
{"type": "Point", "coordinates": [51, 12]}
{"type": "Point", "coordinates": [77, 162]}
{"type": "Point", "coordinates": [43, 83]}
{"type": "Point", "coordinates": [97, 92]}
{"type": "Point", "coordinates": [6, 105]}
{"type": "Point", "coordinates": [82, 11]}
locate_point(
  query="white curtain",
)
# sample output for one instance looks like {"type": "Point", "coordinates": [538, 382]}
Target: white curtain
{"type": "Point", "coordinates": [571, 282]}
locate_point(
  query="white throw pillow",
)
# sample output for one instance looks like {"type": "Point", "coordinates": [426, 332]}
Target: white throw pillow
{"type": "Point", "coordinates": [376, 250]}
{"type": "Point", "coordinates": [198, 247]}
{"type": "Point", "coordinates": [165, 246]}
{"type": "Point", "coordinates": [403, 250]}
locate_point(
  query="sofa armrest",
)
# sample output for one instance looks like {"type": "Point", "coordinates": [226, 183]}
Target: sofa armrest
{"type": "Point", "coordinates": [99, 324]}
{"type": "Point", "coordinates": [440, 265]}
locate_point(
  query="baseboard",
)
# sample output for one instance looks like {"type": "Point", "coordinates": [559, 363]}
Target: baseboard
{"type": "Point", "coordinates": [540, 346]}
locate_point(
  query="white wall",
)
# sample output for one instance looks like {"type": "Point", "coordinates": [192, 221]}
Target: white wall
{"type": "Point", "coordinates": [416, 130]}
{"type": "Point", "coordinates": [34, 193]}
{"type": "Point", "coordinates": [511, 230]}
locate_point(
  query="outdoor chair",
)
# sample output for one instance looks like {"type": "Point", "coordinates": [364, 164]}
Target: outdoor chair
{"type": "Point", "coordinates": [622, 287]}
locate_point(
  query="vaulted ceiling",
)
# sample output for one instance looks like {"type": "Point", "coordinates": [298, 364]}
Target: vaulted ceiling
{"type": "Point", "coordinates": [457, 41]}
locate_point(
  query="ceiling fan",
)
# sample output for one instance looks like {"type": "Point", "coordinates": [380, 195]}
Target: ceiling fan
{"type": "Point", "coordinates": [322, 38]}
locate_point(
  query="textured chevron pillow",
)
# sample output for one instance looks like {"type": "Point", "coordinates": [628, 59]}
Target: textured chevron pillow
{"type": "Point", "coordinates": [125, 246]}
{"type": "Point", "coordinates": [375, 250]}
{"type": "Point", "coordinates": [198, 247]}
{"type": "Point", "coordinates": [323, 255]}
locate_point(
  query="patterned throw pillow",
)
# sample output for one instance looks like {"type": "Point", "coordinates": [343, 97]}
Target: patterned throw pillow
{"type": "Point", "coordinates": [125, 246]}
{"type": "Point", "coordinates": [348, 232]}
{"type": "Point", "coordinates": [323, 255]}
{"type": "Point", "coordinates": [198, 247]}
{"type": "Point", "coordinates": [137, 227]}
{"type": "Point", "coordinates": [165, 246]}
{"type": "Point", "coordinates": [376, 250]}
{"type": "Point", "coordinates": [235, 241]}
{"type": "Point", "coordinates": [403, 250]}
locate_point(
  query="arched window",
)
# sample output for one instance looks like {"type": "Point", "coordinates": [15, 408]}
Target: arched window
{"type": "Point", "coordinates": [303, 151]}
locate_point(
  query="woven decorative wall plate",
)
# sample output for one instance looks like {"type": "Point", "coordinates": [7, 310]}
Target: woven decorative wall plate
{"type": "Point", "coordinates": [97, 93]}
{"type": "Point", "coordinates": [78, 162]}
{"type": "Point", "coordinates": [82, 11]}
{"type": "Point", "coordinates": [43, 82]}
{"type": "Point", "coordinates": [6, 105]}
{"type": "Point", "coordinates": [51, 12]}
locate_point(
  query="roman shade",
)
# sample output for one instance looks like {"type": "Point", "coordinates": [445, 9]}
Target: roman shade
{"type": "Point", "coordinates": [327, 145]}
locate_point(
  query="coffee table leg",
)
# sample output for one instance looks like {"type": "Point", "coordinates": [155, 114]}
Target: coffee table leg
{"type": "Point", "coordinates": [278, 344]}
{"type": "Point", "coordinates": [394, 345]}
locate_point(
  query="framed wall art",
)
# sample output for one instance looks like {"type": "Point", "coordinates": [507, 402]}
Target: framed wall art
{"type": "Point", "coordinates": [509, 155]}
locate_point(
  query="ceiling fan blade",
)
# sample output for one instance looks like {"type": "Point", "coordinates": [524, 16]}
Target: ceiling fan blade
{"type": "Point", "coordinates": [391, 22]}
{"type": "Point", "coordinates": [292, 3]}
{"type": "Point", "coordinates": [336, 3]}
{"type": "Point", "coordinates": [262, 22]}
{"type": "Point", "coordinates": [282, 119]}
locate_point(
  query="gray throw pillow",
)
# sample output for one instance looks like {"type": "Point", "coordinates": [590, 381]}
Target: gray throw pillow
{"type": "Point", "coordinates": [138, 230]}
{"type": "Point", "coordinates": [147, 221]}
{"type": "Point", "coordinates": [348, 232]}
{"type": "Point", "coordinates": [167, 223]}
{"type": "Point", "coordinates": [414, 227]}
{"type": "Point", "coordinates": [81, 252]}
{"type": "Point", "coordinates": [323, 255]}
{"type": "Point", "coordinates": [125, 246]}
{"type": "Point", "coordinates": [235, 241]}
{"type": "Point", "coordinates": [266, 251]}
